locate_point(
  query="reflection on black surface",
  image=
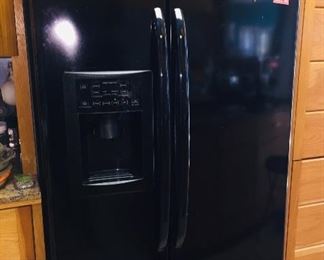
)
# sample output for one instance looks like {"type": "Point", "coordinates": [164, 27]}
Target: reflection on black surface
{"type": "Point", "coordinates": [241, 52]}
{"type": "Point", "coordinates": [64, 34]}
{"type": "Point", "coordinates": [241, 58]}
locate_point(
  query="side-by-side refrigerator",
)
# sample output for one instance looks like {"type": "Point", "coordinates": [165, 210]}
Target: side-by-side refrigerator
{"type": "Point", "coordinates": [163, 126]}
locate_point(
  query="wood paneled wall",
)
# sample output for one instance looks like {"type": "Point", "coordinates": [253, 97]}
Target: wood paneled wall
{"type": "Point", "coordinates": [305, 237]}
{"type": "Point", "coordinates": [8, 39]}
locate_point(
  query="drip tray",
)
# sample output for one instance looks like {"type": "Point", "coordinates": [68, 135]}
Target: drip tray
{"type": "Point", "coordinates": [111, 177]}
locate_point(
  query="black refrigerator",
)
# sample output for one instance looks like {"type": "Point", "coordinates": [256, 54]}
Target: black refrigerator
{"type": "Point", "coordinates": [163, 126]}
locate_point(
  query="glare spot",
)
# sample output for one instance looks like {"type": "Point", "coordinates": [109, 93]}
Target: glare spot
{"type": "Point", "coordinates": [65, 34]}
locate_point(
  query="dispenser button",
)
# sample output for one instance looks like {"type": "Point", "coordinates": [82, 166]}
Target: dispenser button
{"type": "Point", "coordinates": [115, 102]}
{"type": "Point", "coordinates": [124, 84]}
{"type": "Point", "coordinates": [83, 87]}
{"type": "Point", "coordinates": [84, 103]}
{"type": "Point", "coordinates": [106, 103]}
{"type": "Point", "coordinates": [124, 93]}
{"type": "Point", "coordinates": [96, 103]}
{"type": "Point", "coordinates": [135, 103]}
{"type": "Point", "coordinates": [106, 100]}
{"type": "Point", "coordinates": [124, 102]}
{"type": "Point", "coordinates": [109, 85]}
{"type": "Point", "coordinates": [95, 93]}
{"type": "Point", "coordinates": [115, 92]}
{"type": "Point", "coordinates": [95, 87]}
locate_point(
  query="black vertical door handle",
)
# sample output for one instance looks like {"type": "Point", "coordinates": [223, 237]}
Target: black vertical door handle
{"type": "Point", "coordinates": [180, 87]}
{"type": "Point", "coordinates": [162, 132]}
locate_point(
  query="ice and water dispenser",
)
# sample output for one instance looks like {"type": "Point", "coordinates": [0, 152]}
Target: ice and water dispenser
{"type": "Point", "coordinates": [109, 130]}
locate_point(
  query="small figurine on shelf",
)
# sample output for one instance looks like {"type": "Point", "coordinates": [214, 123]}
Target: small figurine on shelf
{"type": "Point", "coordinates": [23, 182]}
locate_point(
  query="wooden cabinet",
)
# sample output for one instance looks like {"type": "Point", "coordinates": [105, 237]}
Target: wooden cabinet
{"type": "Point", "coordinates": [16, 236]}
{"type": "Point", "coordinates": [305, 237]}
{"type": "Point", "coordinates": [319, 3]}
{"type": "Point", "coordinates": [317, 34]}
{"type": "Point", "coordinates": [310, 225]}
{"type": "Point", "coordinates": [21, 231]}
{"type": "Point", "coordinates": [315, 88]}
{"type": "Point", "coordinates": [310, 253]}
{"type": "Point", "coordinates": [311, 182]}
{"type": "Point", "coordinates": [313, 135]}
{"type": "Point", "coordinates": [38, 232]}
{"type": "Point", "coordinates": [8, 38]}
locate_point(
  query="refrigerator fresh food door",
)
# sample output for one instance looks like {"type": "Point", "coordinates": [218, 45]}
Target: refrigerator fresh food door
{"type": "Point", "coordinates": [241, 64]}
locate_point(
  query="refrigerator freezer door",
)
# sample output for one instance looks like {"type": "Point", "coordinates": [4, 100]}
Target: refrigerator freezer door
{"type": "Point", "coordinates": [241, 57]}
{"type": "Point", "coordinates": [88, 36]}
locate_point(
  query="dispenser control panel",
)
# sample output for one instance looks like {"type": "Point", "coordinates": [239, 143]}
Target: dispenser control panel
{"type": "Point", "coordinates": [112, 93]}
